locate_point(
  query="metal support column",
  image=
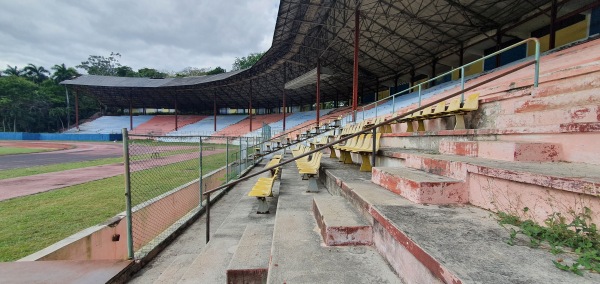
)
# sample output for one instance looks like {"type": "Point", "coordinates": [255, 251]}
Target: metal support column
{"type": "Point", "coordinates": [200, 181]}
{"type": "Point", "coordinates": [76, 111]}
{"type": "Point", "coordinates": [130, 114]}
{"type": "Point", "coordinates": [215, 112]}
{"type": "Point", "coordinates": [355, 70]}
{"type": "Point", "coordinates": [176, 111]}
{"type": "Point", "coordinates": [433, 64]}
{"type": "Point", "coordinates": [553, 12]}
{"type": "Point", "coordinates": [284, 107]}
{"type": "Point", "coordinates": [318, 90]}
{"type": "Point", "coordinates": [498, 45]}
{"type": "Point", "coordinates": [250, 107]}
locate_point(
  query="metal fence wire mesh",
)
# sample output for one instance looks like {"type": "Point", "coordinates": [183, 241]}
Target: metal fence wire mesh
{"type": "Point", "coordinates": [168, 174]}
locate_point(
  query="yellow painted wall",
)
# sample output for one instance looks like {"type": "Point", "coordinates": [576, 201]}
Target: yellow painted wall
{"type": "Point", "coordinates": [474, 69]}
{"type": "Point", "coordinates": [564, 36]}
{"type": "Point", "coordinates": [383, 94]}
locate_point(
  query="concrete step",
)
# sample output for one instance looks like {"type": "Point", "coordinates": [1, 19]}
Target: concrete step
{"type": "Point", "coordinates": [449, 244]}
{"type": "Point", "coordinates": [298, 254]}
{"type": "Point", "coordinates": [250, 262]}
{"type": "Point", "coordinates": [504, 150]}
{"type": "Point", "coordinates": [419, 186]}
{"type": "Point", "coordinates": [340, 225]}
{"type": "Point", "coordinates": [507, 186]}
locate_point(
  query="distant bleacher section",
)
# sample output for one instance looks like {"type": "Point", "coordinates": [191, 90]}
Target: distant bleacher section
{"type": "Point", "coordinates": [291, 121]}
{"type": "Point", "coordinates": [243, 127]}
{"type": "Point", "coordinates": [163, 124]}
{"type": "Point", "coordinates": [206, 126]}
{"type": "Point", "coordinates": [109, 124]}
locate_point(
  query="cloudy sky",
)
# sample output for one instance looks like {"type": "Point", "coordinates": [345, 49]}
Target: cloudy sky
{"type": "Point", "coordinates": [167, 35]}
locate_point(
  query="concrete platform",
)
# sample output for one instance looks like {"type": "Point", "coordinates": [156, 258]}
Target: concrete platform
{"type": "Point", "coordinates": [298, 254]}
{"type": "Point", "coordinates": [340, 225]}
{"type": "Point", "coordinates": [250, 262]}
{"type": "Point", "coordinates": [450, 244]}
{"type": "Point", "coordinates": [419, 186]}
{"type": "Point", "coordinates": [77, 271]}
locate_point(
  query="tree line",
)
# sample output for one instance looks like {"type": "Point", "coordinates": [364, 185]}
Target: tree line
{"type": "Point", "coordinates": [32, 100]}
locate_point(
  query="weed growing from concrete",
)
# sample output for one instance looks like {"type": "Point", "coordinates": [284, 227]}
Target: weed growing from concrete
{"type": "Point", "coordinates": [579, 236]}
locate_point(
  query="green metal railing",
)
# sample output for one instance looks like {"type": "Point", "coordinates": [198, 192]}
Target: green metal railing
{"type": "Point", "coordinates": [419, 87]}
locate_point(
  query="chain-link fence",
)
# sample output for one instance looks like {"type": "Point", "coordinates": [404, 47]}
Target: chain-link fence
{"type": "Point", "coordinates": [167, 175]}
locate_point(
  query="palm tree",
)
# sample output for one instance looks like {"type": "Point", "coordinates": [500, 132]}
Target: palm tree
{"type": "Point", "coordinates": [61, 73]}
{"type": "Point", "coordinates": [13, 71]}
{"type": "Point", "coordinates": [37, 74]}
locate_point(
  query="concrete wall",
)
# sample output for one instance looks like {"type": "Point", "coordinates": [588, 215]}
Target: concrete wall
{"type": "Point", "coordinates": [59, 136]}
{"type": "Point", "coordinates": [109, 240]}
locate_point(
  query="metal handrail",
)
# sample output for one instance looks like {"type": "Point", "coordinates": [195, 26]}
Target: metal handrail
{"type": "Point", "coordinates": [462, 73]}
{"type": "Point", "coordinates": [345, 138]}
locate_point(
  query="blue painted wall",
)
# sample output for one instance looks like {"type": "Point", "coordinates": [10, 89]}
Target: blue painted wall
{"type": "Point", "coordinates": [595, 21]}
{"type": "Point", "coordinates": [506, 57]}
{"type": "Point", "coordinates": [59, 136]}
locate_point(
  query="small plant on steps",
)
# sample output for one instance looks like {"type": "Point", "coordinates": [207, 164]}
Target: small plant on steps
{"type": "Point", "coordinates": [580, 236]}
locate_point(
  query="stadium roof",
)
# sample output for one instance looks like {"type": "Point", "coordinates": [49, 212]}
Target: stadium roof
{"type": "Point", "coordinates": [395, 38]}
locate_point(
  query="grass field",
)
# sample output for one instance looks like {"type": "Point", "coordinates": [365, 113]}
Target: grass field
{"type": "Point", "coordinates": [17, 150]}
{"type": "Point", "coordinates": [33, 222]}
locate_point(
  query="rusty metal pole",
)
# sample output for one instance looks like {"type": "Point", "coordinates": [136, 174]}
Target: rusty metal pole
{"type": "Point", "coordinates": [130, 114]}
{"type": "Point", "coordinates": [76, 111]}
{"type": "Point", "coordinates": [284, 107]}
{"type": "Point", "coordinates": [355, 70]}
{"type": "Point", "coordinates": [553, 13]}
{"type": "Point", "coordinates": [176, 112]}
{"type": "Point", "coordinates": [318, 90]}
{"type": "Point", "coordinates": [215, 111]}
{"type": "Point", "coordinates": [250, 107]}
{"type": "Point", "coordinates": [207, 218]}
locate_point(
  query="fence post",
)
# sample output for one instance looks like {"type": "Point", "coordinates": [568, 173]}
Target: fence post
{"type": "Point", "coordinates": [226, 159]}
{"type": "Point", "coordinates": [393, 103]}
{"type": "Point", "coordinates": [462, 83]}
{"type": "Point", "coordinates": [200, 170]}
{"type": "Point", "coordinates": [240, 158]}
{"type": "Point", "coordinates": [127, 194]}
{"type": "Point", "coordinates": [420, 95]}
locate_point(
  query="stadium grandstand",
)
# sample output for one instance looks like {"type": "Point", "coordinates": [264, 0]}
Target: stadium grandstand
{"type": "Point", "coordinates": [413, 127]}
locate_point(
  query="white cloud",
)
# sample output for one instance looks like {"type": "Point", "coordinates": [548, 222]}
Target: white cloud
{"type": "Point", "coordinates": [161, 34]}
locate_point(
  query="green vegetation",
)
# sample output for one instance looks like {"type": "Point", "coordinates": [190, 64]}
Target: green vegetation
{"type": "Point", "coordinates": [17, 150]}
{"type": "Point", "coordinates": [246, 62]}
{"type": "Point", "coordinates": [580, 236]}
{"type": "Point", "coordinates": [33, 222]}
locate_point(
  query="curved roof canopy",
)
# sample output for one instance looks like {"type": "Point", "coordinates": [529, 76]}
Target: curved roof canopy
{"type": "Point", "coordinates": [395, 37]}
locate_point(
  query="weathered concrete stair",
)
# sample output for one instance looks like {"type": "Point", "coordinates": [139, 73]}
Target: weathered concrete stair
{"type": "Point", "coordinates": [419, 186]}
{"type": "Point", "coordinates": [250, 262]}
{"type": "Point", "coordinates": [449, 244]}
{"type": "Point", "coordinates": [549, 187]}
{"type": "Point", "coordinates": [339, 223]}
{"type": "Point", "coordinates": [504, 150]}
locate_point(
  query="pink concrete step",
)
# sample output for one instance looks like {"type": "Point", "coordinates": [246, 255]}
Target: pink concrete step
{"type": "Point", "coordinates": [504, 150]}
{"type": "Point", "coordinates": [340, 225]}
{"type": "Point", "coordinates": [419, 186]}
{"type": "Point", "coordinates": [510, 186]}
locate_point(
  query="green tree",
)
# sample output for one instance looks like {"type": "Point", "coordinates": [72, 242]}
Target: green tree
{"type": "Point", "coordinates": [217, 70]}
{"type": "Point", "coordinates": [126, 71]}
{"type": "Point", "coordinates": [246, 62]}
{"type": "Point", "coordinates": [35, 73]}
{"type": "Point", "coordinates": [13, 71]}
{"type": "Point", "coordinates": [151, 73]}
{"type": "Point", "coordinates": [100, 65]}
{"type": "Point", "coordinates": [17, 98]}
{"type": "Point", "coordinates": [61, 73]}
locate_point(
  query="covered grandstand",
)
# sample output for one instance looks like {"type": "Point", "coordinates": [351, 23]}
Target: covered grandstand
{"type": "Point", "coordinates": [422, 206]}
